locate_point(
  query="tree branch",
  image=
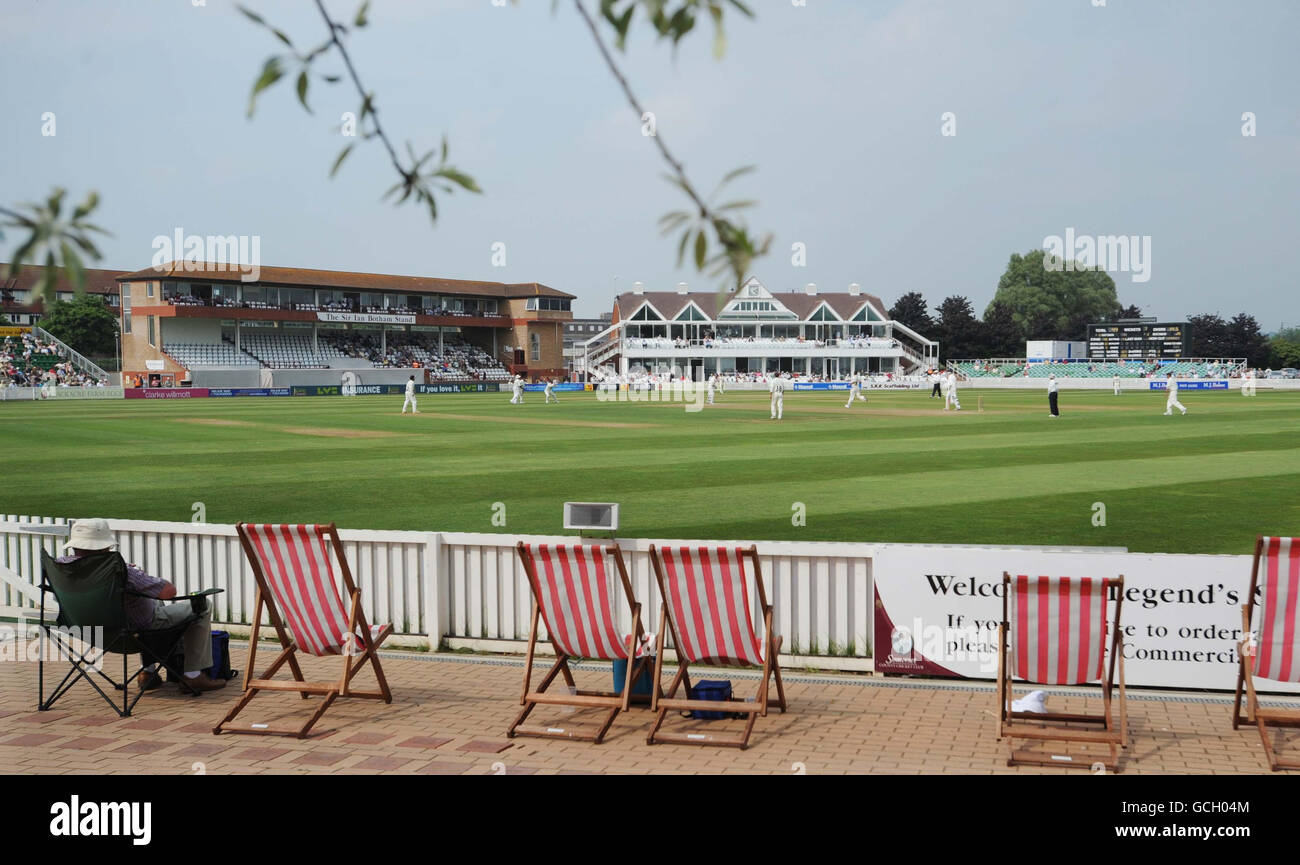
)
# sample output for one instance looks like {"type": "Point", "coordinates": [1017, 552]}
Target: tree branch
{"type": "Point", "coordinates": [365, 98]}
{"type": "Point", "coordinates": [640, 112]}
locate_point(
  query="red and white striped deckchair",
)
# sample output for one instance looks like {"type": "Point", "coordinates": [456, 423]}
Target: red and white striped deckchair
{"type": "Point", "coordinates": [1271, 650]}
{"type": "Point", "coordinates": [706, 608]}
{"type": "Point", "coordinates": [571, 594]}
{"type": "Point", "coordinates": [1055, 631]}
{"type": "Point", "coordinates": [296, 585]}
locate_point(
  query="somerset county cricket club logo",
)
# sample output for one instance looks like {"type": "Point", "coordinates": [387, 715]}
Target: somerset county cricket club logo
{"type": "Point", "coordinates": [901, 647]}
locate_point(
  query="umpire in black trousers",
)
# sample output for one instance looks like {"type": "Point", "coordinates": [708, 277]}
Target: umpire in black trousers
{"type": "Point", "coordinates": [1051, 396]}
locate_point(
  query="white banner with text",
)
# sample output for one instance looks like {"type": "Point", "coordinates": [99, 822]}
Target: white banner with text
{"type": "Point", "coordinates": [937, 610]}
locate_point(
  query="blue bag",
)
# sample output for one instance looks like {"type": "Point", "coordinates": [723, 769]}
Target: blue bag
{"type": "Point", "coordinates": [716, 690]}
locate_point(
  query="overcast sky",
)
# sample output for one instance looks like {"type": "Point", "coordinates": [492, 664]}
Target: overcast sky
{"type": "Point", "coordinates": [1124, 119]}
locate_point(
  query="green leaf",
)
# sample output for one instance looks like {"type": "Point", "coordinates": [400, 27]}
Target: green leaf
{"type": "Point", "coordinates": [302, 90]}
{"type": "Point", "coordinates": [361, 20]}
{"type": "Point", "coordinates": [91, 202]}
{"type": "Point", "coordinates": [459, 178]}
{"type": "Point", "coordinates": [272, 72]}
{"type": "Point", "coordinates": [343, 154]}
{"type": "Point", "coordinates": [701, 249]}
{"type": "Point", "coordinates": [253, 16]}
{"type": "Point", "coordinates": [75, 269]}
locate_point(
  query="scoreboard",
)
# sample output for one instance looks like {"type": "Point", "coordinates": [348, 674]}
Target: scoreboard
{"type": "Point", "coordinates": [1141, 341]}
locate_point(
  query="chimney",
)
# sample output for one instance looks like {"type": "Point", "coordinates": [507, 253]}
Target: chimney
{"type": "Point", "coordinates": [681, 288]}
{"type": "Point", "coordinates": [810, 288]}
{"type": "Point", "coordinates": [638, 288]}
{"type": "Point", "coordinates": [854, 289]}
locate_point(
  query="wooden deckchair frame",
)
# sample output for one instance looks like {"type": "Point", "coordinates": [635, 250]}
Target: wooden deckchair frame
{"type": "Point", "coordinates": [665, 702]}
{"type": "Point", "coordinates": [1054, 726]}
{"type": "Point", "coordinates": [1261, 717]}
{"type": "Point", "coordinates": [350, 662]}
{"type": "Point", "coordinates": [614, 702]}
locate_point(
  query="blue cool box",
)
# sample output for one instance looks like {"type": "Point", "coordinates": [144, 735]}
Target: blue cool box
{"type": "Point", "coordinates": [642, 685]}
{"type": "Point", "coordinates": [713, 690]}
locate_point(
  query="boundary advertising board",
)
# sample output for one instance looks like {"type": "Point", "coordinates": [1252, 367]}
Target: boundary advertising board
{"type": "Point", "coordinates": [937, 610]}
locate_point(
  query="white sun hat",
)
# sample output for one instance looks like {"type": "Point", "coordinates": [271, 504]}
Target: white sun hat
{"type": "Point", "coordinates": [91, 534]}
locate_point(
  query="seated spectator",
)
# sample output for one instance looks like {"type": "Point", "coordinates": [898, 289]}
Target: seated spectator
{"type": "Point", "coordinates": [146, 610]}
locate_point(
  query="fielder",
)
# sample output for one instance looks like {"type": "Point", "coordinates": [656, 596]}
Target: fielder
{"type": "Point", "coordinates": [517, 391]}
{"type": "Point", "coordinates": [855, 390]}
{"type": "Point", "coordinates": [1248, 383]}
{"type": "Point", "coordinates": [410, 397]}
{"type": "Point", "coordinates": [950, 392]}
{"type": "Point", "coordinates": [1114, 383]}
{"type": "Point", "coordinates": [777, 388]}
{"type": "Point", "coordinates": [550, 395]}
{"type": "Point", "coordinates": [709, 396]}
{"type": "Point", "coordinates": [1171, 387]}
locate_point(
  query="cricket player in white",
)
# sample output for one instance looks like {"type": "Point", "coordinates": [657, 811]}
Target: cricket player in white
{"type": "Point", "coordinates": [1171, 388]}
{"type": "Point", "coordinates": [1114, 383]}
{"type": "Point", "coordinates": [950, 392]}
{"type": "Point", "coordinates": [777, 388]}
{"type": "Point", "coordinates": [550, 395]}
{"type": "Point", "coordinates": [855, 390]}
{"type": "Point", "coordinates": [410, 397]}
{"type": "Point", "coordinates": [1248, 383]}
{"type": "Point", "coordinates": [711, 384]}
{"type": "Point", "coordinates": [517, 388]}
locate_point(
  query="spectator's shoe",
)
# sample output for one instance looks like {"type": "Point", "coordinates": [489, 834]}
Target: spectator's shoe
{"type": "Point", "coordinates": [203, 682]}
{"type": "Point", "coordinates": [147, 680]}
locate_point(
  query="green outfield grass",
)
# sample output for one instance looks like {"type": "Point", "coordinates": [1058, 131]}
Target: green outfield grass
{"type": "Point", "coordinates": [895, 469]}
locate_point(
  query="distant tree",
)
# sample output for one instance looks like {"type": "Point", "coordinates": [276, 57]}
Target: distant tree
{"type": "Point", "coordinates": [1002, 334]}
{"type": "Point", "coordinates": [1283, 353]}
{"type": "Point", "coordinates": [1130, 311]}
{"type": "Point", "coordinates": [86, 323]}
{"type": "Point", "coordinates": [960, 333]}
{"type": "Point", "coordinates": [1207, 336]}
{"type": "Point", "coordinates": [911, 310]}
{"type": "Point", "coordinates": [1040, 325]}
{"type": "Point", "coordinates": [4, 321]}
{"type": "Point", "coordinates": [1055, 304]}
{"type": "Point", "coordinates": [1247, 340]}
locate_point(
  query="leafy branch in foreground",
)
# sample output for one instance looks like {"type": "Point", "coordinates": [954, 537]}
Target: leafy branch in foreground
{"type": "Point", "coordinates": [738, 247]}
{"type": "Point", "coordinates": [419, 177]}
{"type": "Point", "coordinates": [57, 239]}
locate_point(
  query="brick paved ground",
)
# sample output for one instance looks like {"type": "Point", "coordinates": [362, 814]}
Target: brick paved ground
{"type": "Point", "coordinates": [450, 713]}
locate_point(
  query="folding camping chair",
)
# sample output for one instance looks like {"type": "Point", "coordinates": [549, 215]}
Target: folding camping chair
{"type": "Point", "coordinates": [1276, 650]}
{"type": "Point", "coordinates": [92, 592]}
{"type": "Point", "coordinates": [1057, 632]}
{"type": "Point", "coordinates": [296, 586]}
{"type": "Point", "coordinates": [571, 595]}
{"type": "Point", "coordinates": [706, 608]}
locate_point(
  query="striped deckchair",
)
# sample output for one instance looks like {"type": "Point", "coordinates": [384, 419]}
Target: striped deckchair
{"type": "Point", "coordinates": [1271, 650]}
{"type": "Point", "coordinates": [1057, 631]}
{"type": "Point", "coordinates": [571, 594]}
{"type": "Point", "coordinates": [706, 609]}
{"type": "Point", "coordinates": [296, 586]}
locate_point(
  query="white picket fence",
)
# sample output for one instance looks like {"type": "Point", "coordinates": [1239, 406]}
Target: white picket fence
{"type": "Point", "coordinates": [468, 590]}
